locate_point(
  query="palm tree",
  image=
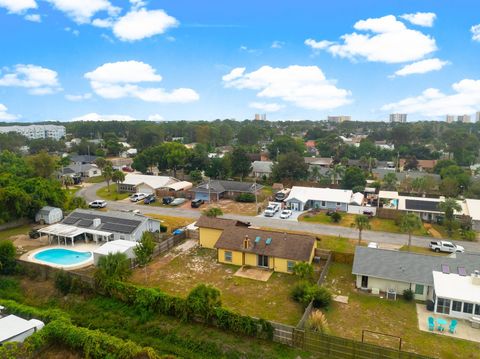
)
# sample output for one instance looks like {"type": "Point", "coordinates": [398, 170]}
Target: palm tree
{"type": "Point", "coordinates": [112, 267]}
{"type": "Point", "coordinates": [448, 207]}
{"type": "Point", "coordinates": [361, 222]}
{"type": "Point", "coordinates": [67, 181]}
{"type": "Point", "coordinates": [409, 223]}
{"type": "Point", "coordinates": [336, 172]}
{"type": "Point", "coordinates": [314, 173]}
{"type": "Point", "coordinates": [118, 177]}
{"type": "Point", "coordinates": [419, 184]}
{"type": "Point", "coordinates": [144, 251]}
{"type": "Point", "coordinates": [107, 174]}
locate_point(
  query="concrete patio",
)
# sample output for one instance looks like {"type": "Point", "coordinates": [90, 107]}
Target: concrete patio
{"type": "Point", "coordinates": [463, 331]}
{"type": "Point", "coordinates": [262, 275]}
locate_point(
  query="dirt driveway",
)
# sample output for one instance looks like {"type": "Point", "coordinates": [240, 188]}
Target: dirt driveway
{"type": "Point", "coordinates": [227, 206]}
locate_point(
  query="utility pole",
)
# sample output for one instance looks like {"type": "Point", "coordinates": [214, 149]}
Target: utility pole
{"type": "Point", "coordinates": [256, 200]}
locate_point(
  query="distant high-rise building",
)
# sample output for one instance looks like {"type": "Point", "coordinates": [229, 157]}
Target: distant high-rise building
{"type": "Point", "coordinates": [339, 119]}
{"type": "Point", "coordinates": [464, 118]}
{"type": "Point", "coordinates": [34, 132]}
{"type": "Point", "coordinates": [260, 117]}
{"type": "Point", "coordinates": [477, 116]}
{"type": "Point", "coordinates": [450, 118]}
{"type": "Point", "coordinates": [398, 117]}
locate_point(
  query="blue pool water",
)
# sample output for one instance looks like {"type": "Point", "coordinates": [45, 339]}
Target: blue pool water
{"type": "Point", "coordinates": [62, 256]}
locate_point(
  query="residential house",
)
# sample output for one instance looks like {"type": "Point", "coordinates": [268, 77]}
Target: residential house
{"type": "Point", "coordinates": [85, 170]}
{"type": "Point", "coordinates": [304, 198]}
{"type": "Point", "coordinates": [90, 225]}
{"type": "Point", "coordinates": [311, 147]}
{"type": "Point", "coordinates": [49, 215]}
{"type": "Point", "coordinates": [16, 329]}
{"type": "Point", "coordinates": [384, 145]}
{"type": "Point", "coordinates": [83, 159]}
{"type": "Point", "coordinates": [262, 169]}
{"type": "Point", "coordinates": [215, 190]}
{"type": "Point", "coordinates": [450, 281]}
{"type": "Point", "coordinates": [134, 183]}
{"type": "Point", "coordinates": [379, 174]}
{"type": "Point", "coordinates": [473, 208]}
{"type": "Point", "coordinates": [423, 165]}
{"type": "Point", "coordinates": [114, 247]}
{"type": "Point", "coordinates": [210, 229]}
{"type": "Point", "coordinates": [322, 162]}
{"type": "Point", "coordinates": [264, 249]}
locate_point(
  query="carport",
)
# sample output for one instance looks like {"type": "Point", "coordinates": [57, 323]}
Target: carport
{"type": "Point", "coordinates": [64, 233]}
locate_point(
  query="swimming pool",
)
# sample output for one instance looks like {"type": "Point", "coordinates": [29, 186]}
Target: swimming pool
{"type": "Point", "coordinates": [62, 257]}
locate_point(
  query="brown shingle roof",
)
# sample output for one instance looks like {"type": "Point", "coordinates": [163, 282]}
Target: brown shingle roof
{"type": "Point", "coordinates": [283, 245]}
{"type": "Point", "coordinates": [218, 223]}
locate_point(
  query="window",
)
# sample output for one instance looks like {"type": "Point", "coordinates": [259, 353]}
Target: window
{"type": "Point", "coordinates": [228, 256]}
{"type": "Point", "coordinates": [477, 309]}
{"type": "Point", "coordinates": [468, 308]}
{"type": "Point", "coordinates": [443, 305]}
{"type": "Point", "coordinates": [324, 203]}
{"type": "Point", "coordinates": [419, 289]}
{"type": "Point", "coordinates": [338, 204]}
{"type": "Point", "coordinates": [290, 265]}
{"type": "Point", "coordinates": [262, 261]}
{"type": "Point", "coordinates": [456, 306]}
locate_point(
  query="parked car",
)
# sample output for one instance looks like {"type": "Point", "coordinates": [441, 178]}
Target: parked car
{"type": "Point", "coordinates": [178, 201]}
{"type": "Point", "coordinates": [280, 196]}
{"type": "Point", "coordinates": [149, 199]}
{"type": "Point", "coordinates": [368, 213]}
{"type": "Point", "coordinates": [372, 245]}
{"type": "Point", "coordinates": [444, 246]}
{"type": "Point", "coordinates": [138, 197]}
{"type": "Point", "coordinates": [167, 200]}
{"type": "Point", "coordinates": [286, 213]}
{"type": "Point", "coordinates": [271, 209]}
{"type": "Point", "coordinates": [197, 203]}
{"type": "Point", "coordinates": [98, 203]}
{"type": "Point", "coordinates": [127, 169]}
{"type": "Point", "coordinates": [34, 234]}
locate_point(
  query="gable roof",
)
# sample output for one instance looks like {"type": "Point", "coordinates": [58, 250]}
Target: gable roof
{"type": "Point", "coordinates": [47, 209]}
{"type": "Point", "coordinates": [408, 267]}
{"type": "Point", "coordinates": [219, 223]}
{"type": "Point", "coordinates": [282, 245]}
{"type": "Point", "coordinates": [154, 182]}
{"type": "Point", "coordinates": [262, 166]}
{"type": "Point", "coordinates": [218, 186]}
{"type": "Point", "coordinates": [83, 158]}
{"type": "Point", "coordinates": [305, 194]}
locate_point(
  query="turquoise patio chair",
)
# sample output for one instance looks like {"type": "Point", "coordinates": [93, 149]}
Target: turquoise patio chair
{"type": "Point", "coordinates": [431, 324]}
{"type": "Point", "coordinates": [453, 326]}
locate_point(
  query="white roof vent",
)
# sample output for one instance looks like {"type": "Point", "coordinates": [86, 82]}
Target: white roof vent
{"type": "Point", "coordinates": [96, 222]}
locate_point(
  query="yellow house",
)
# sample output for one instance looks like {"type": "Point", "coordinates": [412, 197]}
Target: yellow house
{"type": "Point", "coordinates": [210, 229]}
{"type": "Point", "coordinates": [264, 249]}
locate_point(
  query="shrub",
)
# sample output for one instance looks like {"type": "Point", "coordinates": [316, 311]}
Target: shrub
{"type": "Point", "coordinates": [305, 292]}
{"type": "Point", "coordinates": [304, 271]}
{"type": "Point", "coordinates": [317, 322]}
{"type": "Point", "coordinates": [8, 265]}
{"type": "Point", "coordinates": [336, 217]}
{"type": "Point", "coordinates": [202, 300]}
{"type": "Point", "coordinates": [408, 295]}
{"type": "Point", "coordinates": [468, 234]}
{"type": "Point", "coordinates": [112, 267]}
{"type": "Point", "coordinates": [213, 212]}
{"type": "Point", "coordinates": [63, 282]}
{"type": "Point", "coordinates": [321, 297]}
{"type": "Point", "coordinates": [245, 197]}
{"type": "Point", "coordinates": [298, 291]}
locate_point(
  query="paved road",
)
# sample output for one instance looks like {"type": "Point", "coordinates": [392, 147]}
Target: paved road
{"type": "Point", "coordinates": [319, 229]}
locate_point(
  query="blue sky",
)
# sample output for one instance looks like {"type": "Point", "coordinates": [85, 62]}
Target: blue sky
{"type": "Point", "coordinates": [192, 60]}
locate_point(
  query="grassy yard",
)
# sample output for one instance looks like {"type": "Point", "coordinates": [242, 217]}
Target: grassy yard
{"type": "Point", "coordinates": [268, 300]}
{"type": "Point", "coordinates": [377, 224]}
{"type": "Point", "coordinates": [97, 179]}
{"type": "Point", "coordinates": [73, 189]}
{"type": "Point", "coordinates": [396, 318]}
{"type": "Point", "coordinates": [7, 233]}
{"type": "Point", "coordinates": [423, 250]}
{"type": "Point", "coordinates": [110, 193]}
{"type": "Point", "coordinates": [170, 221]}
{"type": "Point", "coordinates": [167, 335]}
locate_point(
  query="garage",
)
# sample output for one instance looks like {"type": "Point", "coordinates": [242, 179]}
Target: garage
{"type": "Point", "coordinates": [202, 195]}
{"type": "Point", "coordinates": [145, 188]}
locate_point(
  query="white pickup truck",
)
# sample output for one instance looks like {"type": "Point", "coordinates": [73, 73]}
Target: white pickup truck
{"type": "Point", "coordinates": [444, 246]}
{"type": "Point", "coordinates": [271, 209]}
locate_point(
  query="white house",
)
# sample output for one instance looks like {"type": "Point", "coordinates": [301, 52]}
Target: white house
{"type": "Point", "coordinates": [381, 270]}
{"type": "Point", "coordinates": [16, 329]}
{"type": "Point", "coordinates": [117, 246]}
{"type": "Point", "coordinates": [49, 215]}
{"type": "Point", "coordinates": [303, 198]}
{"type": "Point", "coordinates": [262, 168]}
{"type": "Point", "coordinates": [150, 184]}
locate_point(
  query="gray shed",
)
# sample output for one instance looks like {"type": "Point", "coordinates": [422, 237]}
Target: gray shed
{"type": "Point", "coordinates": [49, 215]}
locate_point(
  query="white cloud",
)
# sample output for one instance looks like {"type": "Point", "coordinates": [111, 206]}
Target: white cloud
{"type": "Point", "coordinates": [318, 45]}
{"type": "Point", "coordinates": [82, 11]}
{"type": "Point", "coordinates": [18, 6]}
{"type": "Point", "coordinates": [77, 98]}
{"type": "Point", "coordinates": [140, 24]}
{"type": "Point", "coordinates": [303, 86]}
{"type": "Point", "coordinates": [422, 67]}
{"type": "Point", "coordinates": [33, 18]}
{"type": "Point", "coordinates": [103, 23]}
{"type": "Point", "coordinates": [267, 107]}
{"type": "Point", "coordinates": [277, 44]}
{"type": "Point", "coordinates": [433, 103]}
{"type": "Point", "coordinates": [475, 32]}
{"type": "Point", "coordinates": [121, 79]}
{"type": "Point", "coordinates": [39, 80]}
{"type": "Point", "coordinates": [156, 117]}
{"type": "Point", "coordinates": [385, 40]}
{"type": "Point", "coordinates": [421, 18]}
{"type": "Point", "coordinates": [73, 31]}
{"type": "Point", "coordinates": [5, 116]}
{"type": "Point", "coordinates": [96, 117]}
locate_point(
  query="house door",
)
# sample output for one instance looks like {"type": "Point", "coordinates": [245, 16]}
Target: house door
{"type": "Point", "coordinates": [294, 206]}
{"type": "Point", "coordinates": [262, 261]}
{"type": "Point", "coordinates": [364, 281]}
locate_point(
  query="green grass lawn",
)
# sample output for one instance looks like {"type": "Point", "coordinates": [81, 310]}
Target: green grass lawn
{"type": "Point", "coordinates": [111, 195]}
{"type": "Point", "coordinates": [377, 224]}
{"type": "Point", "coordinates": [97, 179]}
{"type": "Point", "coordinates": [7, 233]}
{"type": "Point", "coordinates": [269, 300]}
{"type": "Point", "coordinates": [73, 189]}
{"type": "Point", "coordinates": [396, 318]}
{"type": "Point", "coordinates": [422, 250]}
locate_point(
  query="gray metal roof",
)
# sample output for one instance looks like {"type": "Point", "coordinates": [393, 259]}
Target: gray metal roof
{"type": "Point", "coordinates": [217, 186]}
{"type": "Point", "coordinates": [46, 209]}
{"type": "Point", "coordinates": [409, 267]}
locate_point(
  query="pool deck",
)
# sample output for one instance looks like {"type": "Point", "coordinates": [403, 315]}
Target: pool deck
{"type": "Point", "coordinates": [84, 247]}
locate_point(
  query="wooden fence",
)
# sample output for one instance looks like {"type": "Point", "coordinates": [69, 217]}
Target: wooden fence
{"type": "Point", "coordinates": [387, 213]}
{"type": "Point", "coordinates": [346, 258]}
